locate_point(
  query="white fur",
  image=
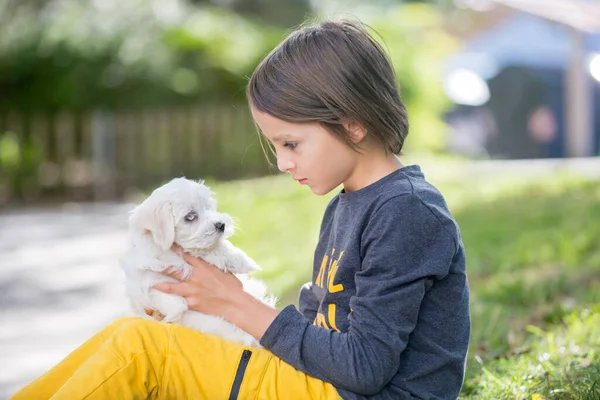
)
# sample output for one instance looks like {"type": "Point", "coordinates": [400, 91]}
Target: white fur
{"type": "Point", "coordinates": [160, 221]}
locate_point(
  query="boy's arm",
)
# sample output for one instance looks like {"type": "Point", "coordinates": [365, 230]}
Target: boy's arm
{"type": "Point", "coordinates": [254, 317]}
{"type": "Point", "coordinates": [405, 248]}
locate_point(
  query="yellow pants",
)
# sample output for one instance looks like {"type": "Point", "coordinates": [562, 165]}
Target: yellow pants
{"type": "Point", "coordinates": [133, 358]}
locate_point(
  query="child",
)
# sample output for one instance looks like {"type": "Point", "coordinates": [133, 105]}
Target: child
{"type": "Point", "coordinates": [386, 315]}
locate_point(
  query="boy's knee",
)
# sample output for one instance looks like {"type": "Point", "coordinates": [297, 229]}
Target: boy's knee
{"type": "Point", "coordinates": [117, 323]}
{"type": "Point", "coordinates": [136, 338]}
{"type": "Point", "coordinates": [137, 331]}
{"type": "Point", "coordinates": [113, 326]}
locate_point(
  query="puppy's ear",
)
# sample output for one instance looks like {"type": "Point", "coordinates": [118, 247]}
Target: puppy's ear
{"type": "Point", "coordinates": [157, 220]}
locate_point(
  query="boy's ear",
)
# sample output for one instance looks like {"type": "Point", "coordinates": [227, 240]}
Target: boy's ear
{"type": "Point", "coordinates": [157, 220]}
{"type": "Point", "coordinates": [356, 132]}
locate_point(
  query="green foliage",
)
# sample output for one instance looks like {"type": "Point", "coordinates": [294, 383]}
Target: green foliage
{"type": "Point", "coordinates": [69, 54]}
{"type": "Point", "coordinates": [10, 156]}
{"type": "Point", "coordinates": [278, 224]}
{"type": "Point", "coordinates": [20, 159]}
{"type": "Point", "coordinates": [72, 54]}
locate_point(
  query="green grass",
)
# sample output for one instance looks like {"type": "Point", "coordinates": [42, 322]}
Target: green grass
{"type": "Point", "coordinates": [533, 251]}
{"type": "Point", "coordinates": [278, 224]}
{"type": "Point", "coordinates": [561, 363]}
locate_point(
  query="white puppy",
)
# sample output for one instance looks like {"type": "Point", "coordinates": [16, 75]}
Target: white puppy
{"type": "Point", "coordinates": [183, 212]}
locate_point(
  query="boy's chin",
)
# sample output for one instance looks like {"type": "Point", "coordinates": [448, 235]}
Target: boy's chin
{"type": "Point", "coordinates": [320, 191]}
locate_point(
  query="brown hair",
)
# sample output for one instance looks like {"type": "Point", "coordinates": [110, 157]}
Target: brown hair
{"type": "Point", "coordinates": [332, 73]}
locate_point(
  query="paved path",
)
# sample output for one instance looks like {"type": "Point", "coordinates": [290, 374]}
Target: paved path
{"type": "Point", "coordinates": [59, 283]}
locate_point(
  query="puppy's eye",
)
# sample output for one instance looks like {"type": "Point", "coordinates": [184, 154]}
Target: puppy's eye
{"type": "Point", "coordinates": [191, 217]}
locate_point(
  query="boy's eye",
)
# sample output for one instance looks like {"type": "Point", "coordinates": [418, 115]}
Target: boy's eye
{"type": "Point", "coordinates": [191, 217]}
{"type": "Point", "coordinates": [290, 145]}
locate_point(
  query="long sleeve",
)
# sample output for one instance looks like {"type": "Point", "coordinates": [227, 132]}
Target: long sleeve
{"type": "Point", "coordinates": [404, 247]}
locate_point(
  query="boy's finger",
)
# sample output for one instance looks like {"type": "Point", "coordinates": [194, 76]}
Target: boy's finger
{"type": "Point", "coordinates": [194, 261]}
{"type": "Point", "coordinates": [165, 287]}
{"type": "Point", "coordinates": [180, 289]}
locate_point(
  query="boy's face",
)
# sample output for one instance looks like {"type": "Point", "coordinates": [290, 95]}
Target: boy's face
{"type": "Point", "coordinates": [310, 153]}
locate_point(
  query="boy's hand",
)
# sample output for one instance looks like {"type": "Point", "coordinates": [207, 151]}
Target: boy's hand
{"type": "Point", "coordinates": [207, 290]}
{"type": "Point", "coordinates": [211, 291]}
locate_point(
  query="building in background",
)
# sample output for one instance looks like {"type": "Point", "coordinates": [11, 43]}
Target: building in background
{"type": "Point", "coordinates": [526, 83]}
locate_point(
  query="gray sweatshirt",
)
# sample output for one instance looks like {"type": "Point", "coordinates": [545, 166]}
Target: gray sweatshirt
{"type": "Point", "coordinates": [386, 315]}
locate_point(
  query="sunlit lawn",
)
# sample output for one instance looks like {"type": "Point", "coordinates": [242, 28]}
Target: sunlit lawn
{"type": "Point", "coordinates": [533, 248]}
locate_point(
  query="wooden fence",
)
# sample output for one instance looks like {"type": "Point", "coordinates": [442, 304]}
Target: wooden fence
{"type": "Point", "coordinates": [101, 154]}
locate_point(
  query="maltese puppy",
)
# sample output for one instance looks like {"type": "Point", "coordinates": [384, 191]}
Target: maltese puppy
{"type": "Point", "coordinates": [183, 212]}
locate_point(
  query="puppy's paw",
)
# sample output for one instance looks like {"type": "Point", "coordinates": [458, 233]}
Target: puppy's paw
{"type": "Point", "coordinates": [243, 265]}
{"type": "Point", "coordinates": [229, 258]}
{"type": "Point", "coordinates": [168, 306]}
{"type": "Point", "coordinates": [157, 315]}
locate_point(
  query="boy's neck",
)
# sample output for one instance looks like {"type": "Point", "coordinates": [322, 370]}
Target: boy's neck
{"type": "Point", "coordinates": [369, 169]}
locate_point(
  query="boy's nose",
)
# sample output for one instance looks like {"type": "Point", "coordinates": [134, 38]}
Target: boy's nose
{"type": "Point", "coordinates": [284, 165]}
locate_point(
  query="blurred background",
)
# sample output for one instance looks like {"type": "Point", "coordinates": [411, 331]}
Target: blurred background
{"type": "Point", "coordinates": [102, 100]}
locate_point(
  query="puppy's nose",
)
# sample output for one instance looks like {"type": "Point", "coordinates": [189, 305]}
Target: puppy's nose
{"type": "Point", "coordinates": [220, 226]}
